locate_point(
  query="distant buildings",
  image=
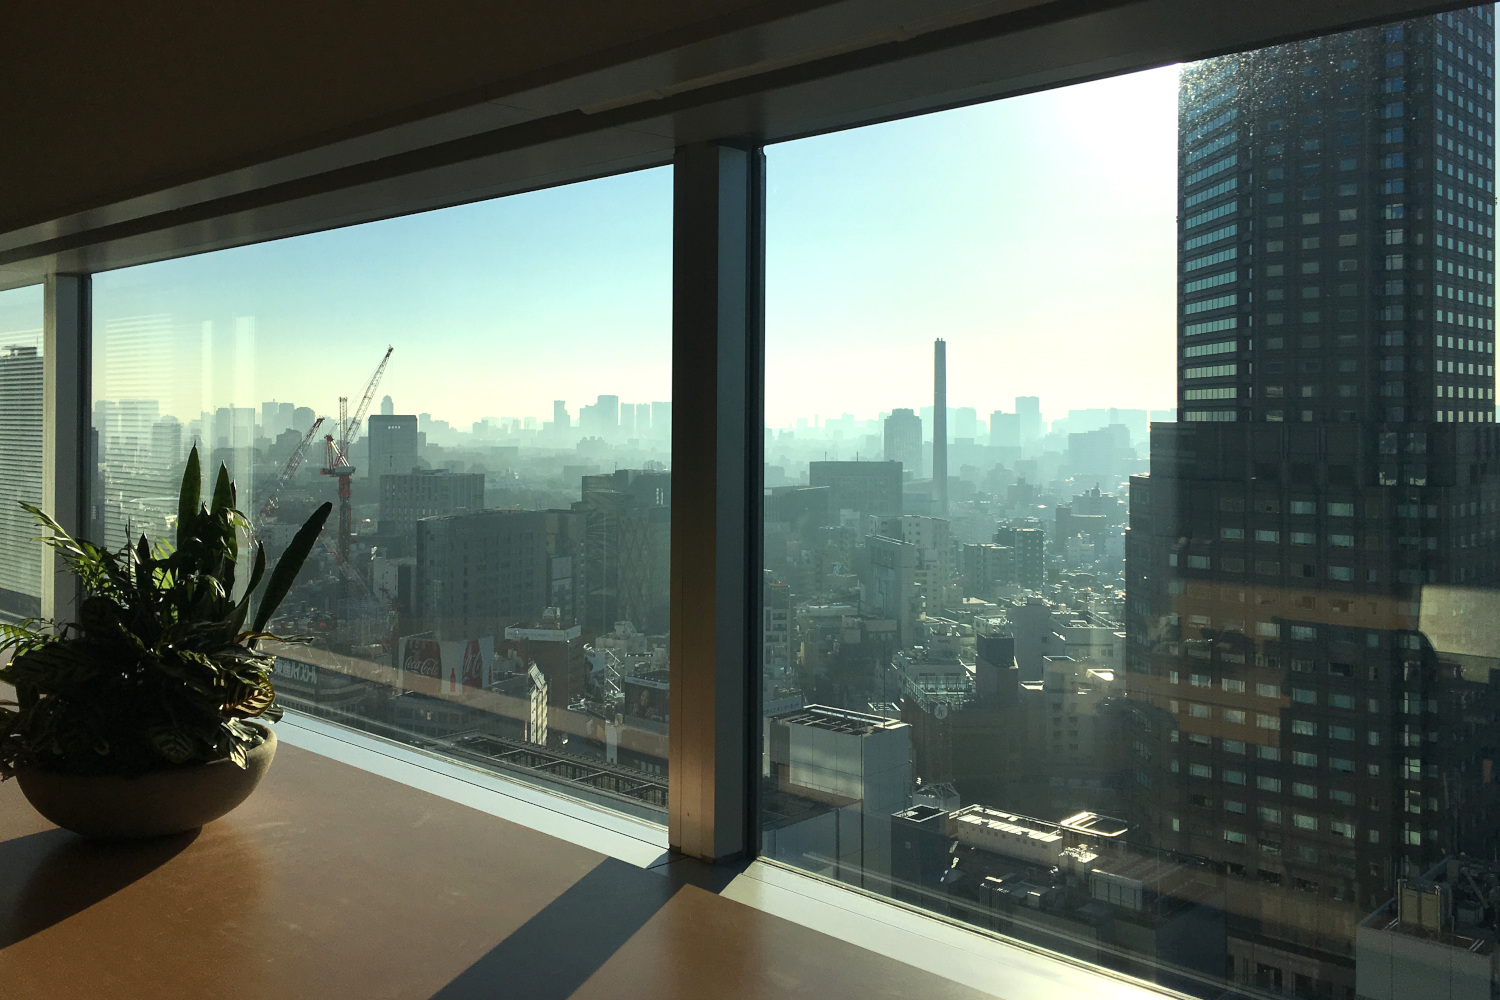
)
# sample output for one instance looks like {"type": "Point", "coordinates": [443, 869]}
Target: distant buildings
{"type": "Point", "coordinates": [903, 441]}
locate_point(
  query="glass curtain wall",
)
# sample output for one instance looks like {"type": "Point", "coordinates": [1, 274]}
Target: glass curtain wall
{"type": "Point", "coordinates": [20, 450]}
{"type": "Point", "coordinates": [483, 394]}
{"type": "Point", "coordinates": [1133, 516]}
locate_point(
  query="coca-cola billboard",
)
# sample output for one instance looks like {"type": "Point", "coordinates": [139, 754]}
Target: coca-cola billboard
{"type": "Point", "coordinates": [456, 667]}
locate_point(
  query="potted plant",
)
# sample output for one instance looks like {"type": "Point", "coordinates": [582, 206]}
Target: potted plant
{"type": "Point", "coordinates": [136, 720]}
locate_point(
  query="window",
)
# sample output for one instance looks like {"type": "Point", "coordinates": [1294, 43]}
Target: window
{"type": "Point", "coordinates": [1056, 510]}
{"type": "Point", "coordinates": [20, 449]}
{"type": "Point", "coordinates": [476, 514]}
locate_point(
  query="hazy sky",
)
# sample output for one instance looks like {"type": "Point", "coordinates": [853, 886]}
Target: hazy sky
{"type": "Point", "coordinates": [1035, 234]}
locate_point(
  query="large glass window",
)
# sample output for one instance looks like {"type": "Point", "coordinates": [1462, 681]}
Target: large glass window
{"type": "Point", "coordinates": [484, 395]}
{"type": "Point", "coordinates": [1133, 515]}
{"type": "Point", "coordinates": [20, 449]}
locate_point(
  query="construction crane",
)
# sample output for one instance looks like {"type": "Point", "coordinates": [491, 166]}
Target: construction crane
{"type": "Point", "coordinates": [336, 462]}
{"type": "Point", "coordinates": [298, 453]}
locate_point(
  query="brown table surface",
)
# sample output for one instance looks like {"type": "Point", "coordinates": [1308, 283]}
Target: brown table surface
{"type": "Point", "coordinates": [332, 882]}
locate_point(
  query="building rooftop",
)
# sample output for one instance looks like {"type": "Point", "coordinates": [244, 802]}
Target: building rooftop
{"type": "Point", "coordinates": [837, 720]}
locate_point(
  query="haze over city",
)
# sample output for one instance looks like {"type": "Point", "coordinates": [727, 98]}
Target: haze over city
{"type": "Point", "coordinates": [963, 225]}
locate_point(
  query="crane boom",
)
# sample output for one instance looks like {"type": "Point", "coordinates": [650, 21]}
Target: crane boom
{"type": "Point", "coordinates": [350, 430]}
{"type": "Point", "coordinates": [289, 470]}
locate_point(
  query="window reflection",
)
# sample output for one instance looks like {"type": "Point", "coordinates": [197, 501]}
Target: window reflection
{"type": "Point", "coordinates": [1205, 695]}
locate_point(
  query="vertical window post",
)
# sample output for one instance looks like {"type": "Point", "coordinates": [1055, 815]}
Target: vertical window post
{"type": "Point", "coordinates": [717, 406]}
{"type": "Point", "coordinates": [66, 397]}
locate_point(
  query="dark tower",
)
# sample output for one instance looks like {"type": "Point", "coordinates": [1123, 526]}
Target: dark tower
{"type": "Point", "coordinates": [1328, 479]}
{"type": "Point", "coordinates": [940, 425]}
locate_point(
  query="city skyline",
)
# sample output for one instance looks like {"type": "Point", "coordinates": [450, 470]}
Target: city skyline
{"type": "Point", "coordinates": [486, 325]}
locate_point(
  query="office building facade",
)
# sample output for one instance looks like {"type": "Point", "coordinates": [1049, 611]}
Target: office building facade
{"type": "Point", "coordinates": [1334, 457]}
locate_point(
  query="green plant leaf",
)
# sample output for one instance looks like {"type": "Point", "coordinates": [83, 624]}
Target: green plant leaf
{"type": "Point", "coordinates": [173, 744]}
{"type": "Point", "coordinates": [187, 496]}
{"type": "Point", "coordinates": [223, 492]}
{"type": "Point", "coordinates": [289, 565]}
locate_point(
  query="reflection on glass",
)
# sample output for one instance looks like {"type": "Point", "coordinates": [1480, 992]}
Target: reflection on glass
{"type": "Point", "coordinates": [20, 449]}
{"type": "Point", "coordinates": [1202, 689]}
{"type": "Point", "coordinates": [492, 588]}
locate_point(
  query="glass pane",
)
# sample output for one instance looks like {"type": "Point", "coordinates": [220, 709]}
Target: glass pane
{"type": "Point", "coordinates": [20, 450]}
{"type": "Point", "coordinates": [1133, 516]}
{"type": "Point", "coordinates": [483, 394]}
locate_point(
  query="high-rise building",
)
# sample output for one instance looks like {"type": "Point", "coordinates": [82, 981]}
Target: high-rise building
{"type": "Point", "coordinates": [408, 497]}
{"type": "Point", "coordinates": [392, 442]}
{"type": "Point", "coordinates": [20, 478]}
{"type": "Point", "coordinates": [940, 425]}
{"type": "Point", "coordinates": [1005, 429]}
{"type": "Point", "coordinates": [560, 419]}
{"type": "Point", "coordinates": [903, 441]}
{"type": "Point", "coordinates": [387, 406]}
{"type": "Point", "coordinates": [481, 572]}
{"type": "Point", "coordinates": [1298, 723]}
{"type": "Point", "coordinates": [965, 424]}
{"type": "Point", "coordinates": [859, 487]}
{"type": "Point", "coordinates": [1029, 418]}
{"type": "Point", "coordinates": [625, 551]}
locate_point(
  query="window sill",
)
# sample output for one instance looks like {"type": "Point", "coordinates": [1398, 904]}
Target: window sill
{"type": "Point", "coordinates": [943, 948]}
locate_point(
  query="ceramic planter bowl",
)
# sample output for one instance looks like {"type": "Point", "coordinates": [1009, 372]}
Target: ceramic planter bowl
{"type": "Point", "coordinates": [155, 804]}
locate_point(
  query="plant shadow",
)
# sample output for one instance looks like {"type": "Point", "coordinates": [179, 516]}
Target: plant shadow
{"type": "Point", "coordinates": [47, 877]}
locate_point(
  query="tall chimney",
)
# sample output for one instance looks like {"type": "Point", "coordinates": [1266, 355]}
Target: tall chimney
{"type": "Point", "coordinates": [940, 425]}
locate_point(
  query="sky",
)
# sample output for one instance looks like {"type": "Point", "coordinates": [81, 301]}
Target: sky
{"type": "Point", "coordinates": [1036, 235]}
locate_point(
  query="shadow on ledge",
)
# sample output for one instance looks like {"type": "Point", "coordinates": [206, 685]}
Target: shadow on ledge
{"type": "Point", "coordinates": [47, 877]}
{"type": "Point", "coordinates": [552, 954]}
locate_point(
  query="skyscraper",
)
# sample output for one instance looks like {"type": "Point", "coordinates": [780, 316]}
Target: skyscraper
{"type": "Point", "coordinates": [940, 425]}
{"type": "Point", "coordinates": [1029, 414]}
{"type": "Point", "coordinates": [20, 478]}
{"type": "Point", "coordinates": [903, 441]}
{"type": "Point", "coordinates": [1297, 725]}
{"type": "Point", "coordinates": [393, 444]}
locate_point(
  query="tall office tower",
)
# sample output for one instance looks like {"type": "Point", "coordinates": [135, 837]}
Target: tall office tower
{"type": "Point", "coordinates": [560, 419]}
{"type": "Point", "coordinates": [20, 478]}
{"type": "Point", "coordinates": [1330, 490]}
{"type": "Point", "coordinates": [965, 423]}
{"type": "Point", "coordinates": [940, 424]}
{"type": "Point", "coordinates": [392, 442]}
{"type": "Point", "coordinates": [480, 572]}
{"type": "Point", "coordinates": [903, 441]}
{"type": "Point", "coordinates": [1029, 414]}
{"type": "Point", "coordinates": [625, 524]}
{"type": "Point", "coordinates": [1005, 430]}
{"type": "Point", "coordinates": [661, 420]}
{"type": "Point", "coordinates": [387, 406]}
{"type": "Point", "coordinates": [303, 418]}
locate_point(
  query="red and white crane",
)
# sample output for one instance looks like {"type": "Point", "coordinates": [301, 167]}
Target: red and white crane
{"type": "Point", "coordinates": [336, 461]}
{"type": "Point", "coordinates": [290, 469]}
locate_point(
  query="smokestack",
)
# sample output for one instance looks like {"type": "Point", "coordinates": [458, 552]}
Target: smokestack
{"type": "Point", "coordinates": [940, 425]}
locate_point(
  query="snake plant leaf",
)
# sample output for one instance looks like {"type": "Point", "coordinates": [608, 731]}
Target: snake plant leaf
{"type": "Point", "coordinates": [288, 566]}
{"type": "Point", "coordinates": [187, 497]}
{"type": "Point", "coordinates": [237, 620]}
